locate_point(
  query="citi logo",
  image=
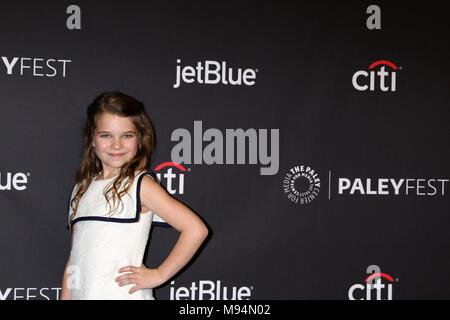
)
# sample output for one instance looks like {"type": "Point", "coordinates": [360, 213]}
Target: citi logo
{"type": "Point", "coordinates": [383, 291]}
{"type": "Point", "coordinates": [209, 290]}
{"type": "Point", "coordinates": [37, 67]}
{"type": "Point", "coordinates": [234, 146]}
{"type": "Point", "coordinates": [214, 72]}
{"type": "Point", "coordinates": [174, 181]}
{"type": "Point", "coordinates": [373, 80]}
{"type": "Point", "coordinates": [13, 181]}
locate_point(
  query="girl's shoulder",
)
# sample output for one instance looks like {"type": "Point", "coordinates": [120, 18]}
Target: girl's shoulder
{"type": "Point", "coordinates": [146, 172]}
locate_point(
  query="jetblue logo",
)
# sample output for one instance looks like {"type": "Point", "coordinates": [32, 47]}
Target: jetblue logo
{"type": "Point", "coordinates": [13, 181]}
{"type": "Point", "coordinates": [213, 72]}
{"type": "Point", "coordinates": [209, 290]}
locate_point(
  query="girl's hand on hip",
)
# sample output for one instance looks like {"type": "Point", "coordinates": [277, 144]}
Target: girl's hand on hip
{"type": "Point", "coordinates": [142, 277]}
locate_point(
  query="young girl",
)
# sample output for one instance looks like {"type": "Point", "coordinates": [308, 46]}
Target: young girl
{"type": "Point", "coordinates": [112, 205]}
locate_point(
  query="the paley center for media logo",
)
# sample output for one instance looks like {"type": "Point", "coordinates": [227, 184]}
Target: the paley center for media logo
{"type": "Point", "coordinates": [301, 184]}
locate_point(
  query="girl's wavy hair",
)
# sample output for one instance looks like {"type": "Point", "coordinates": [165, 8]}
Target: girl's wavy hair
{"type": "Point", "coordinates": [123, 105]}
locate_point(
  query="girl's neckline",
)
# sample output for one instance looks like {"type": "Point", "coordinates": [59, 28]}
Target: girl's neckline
{"type": "Point", "coordinates": [110, 178]}
{"type": "Point", "coordinates": [100, 180]}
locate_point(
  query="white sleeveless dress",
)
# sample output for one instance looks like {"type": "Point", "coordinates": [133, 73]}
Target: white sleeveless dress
{"type": "Point", "coordinates": [102, 243]}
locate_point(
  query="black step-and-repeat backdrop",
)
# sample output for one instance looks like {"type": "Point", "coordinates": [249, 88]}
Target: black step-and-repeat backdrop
{"type": "Point", "coordinates": [312, 138]}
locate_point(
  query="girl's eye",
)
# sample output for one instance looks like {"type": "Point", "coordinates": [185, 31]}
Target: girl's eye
{"type": "Point", "coordinates": [107, 136]}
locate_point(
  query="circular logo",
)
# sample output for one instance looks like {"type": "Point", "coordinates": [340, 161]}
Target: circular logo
{"type": "Point", "coordinates": [301, 184]}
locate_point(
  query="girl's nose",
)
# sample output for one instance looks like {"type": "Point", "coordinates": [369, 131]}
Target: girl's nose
{"type": "Point", "coordinates": [117, 143]}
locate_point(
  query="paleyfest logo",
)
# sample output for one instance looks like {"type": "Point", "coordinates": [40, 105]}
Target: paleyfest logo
{"type": "Point", "coordinates": [301, 184]}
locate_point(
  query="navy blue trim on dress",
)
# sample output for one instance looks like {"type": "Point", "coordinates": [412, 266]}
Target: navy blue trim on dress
{"type": "Point", "coordinates": [138, 190]}
{"type": "Point", "coordinates": [161, 224]}
{"type": "Point", "coordinates": [118, 220]}
{"type": "Point", "coordinates": [122, 220]}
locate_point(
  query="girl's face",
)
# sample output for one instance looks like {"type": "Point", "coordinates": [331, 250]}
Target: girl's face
{"type": "Point", "coordinates": [115, 142]}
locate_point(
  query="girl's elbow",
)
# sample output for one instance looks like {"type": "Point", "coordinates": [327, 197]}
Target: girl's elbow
{"type": "Point", "coordinates": [196, 229]}
{"type": "Point", "coordinates": [202, 231]}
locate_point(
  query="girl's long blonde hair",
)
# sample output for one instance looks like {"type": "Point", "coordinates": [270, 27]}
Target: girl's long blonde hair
{"type": "Point", "coordinates": [120, 104]}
